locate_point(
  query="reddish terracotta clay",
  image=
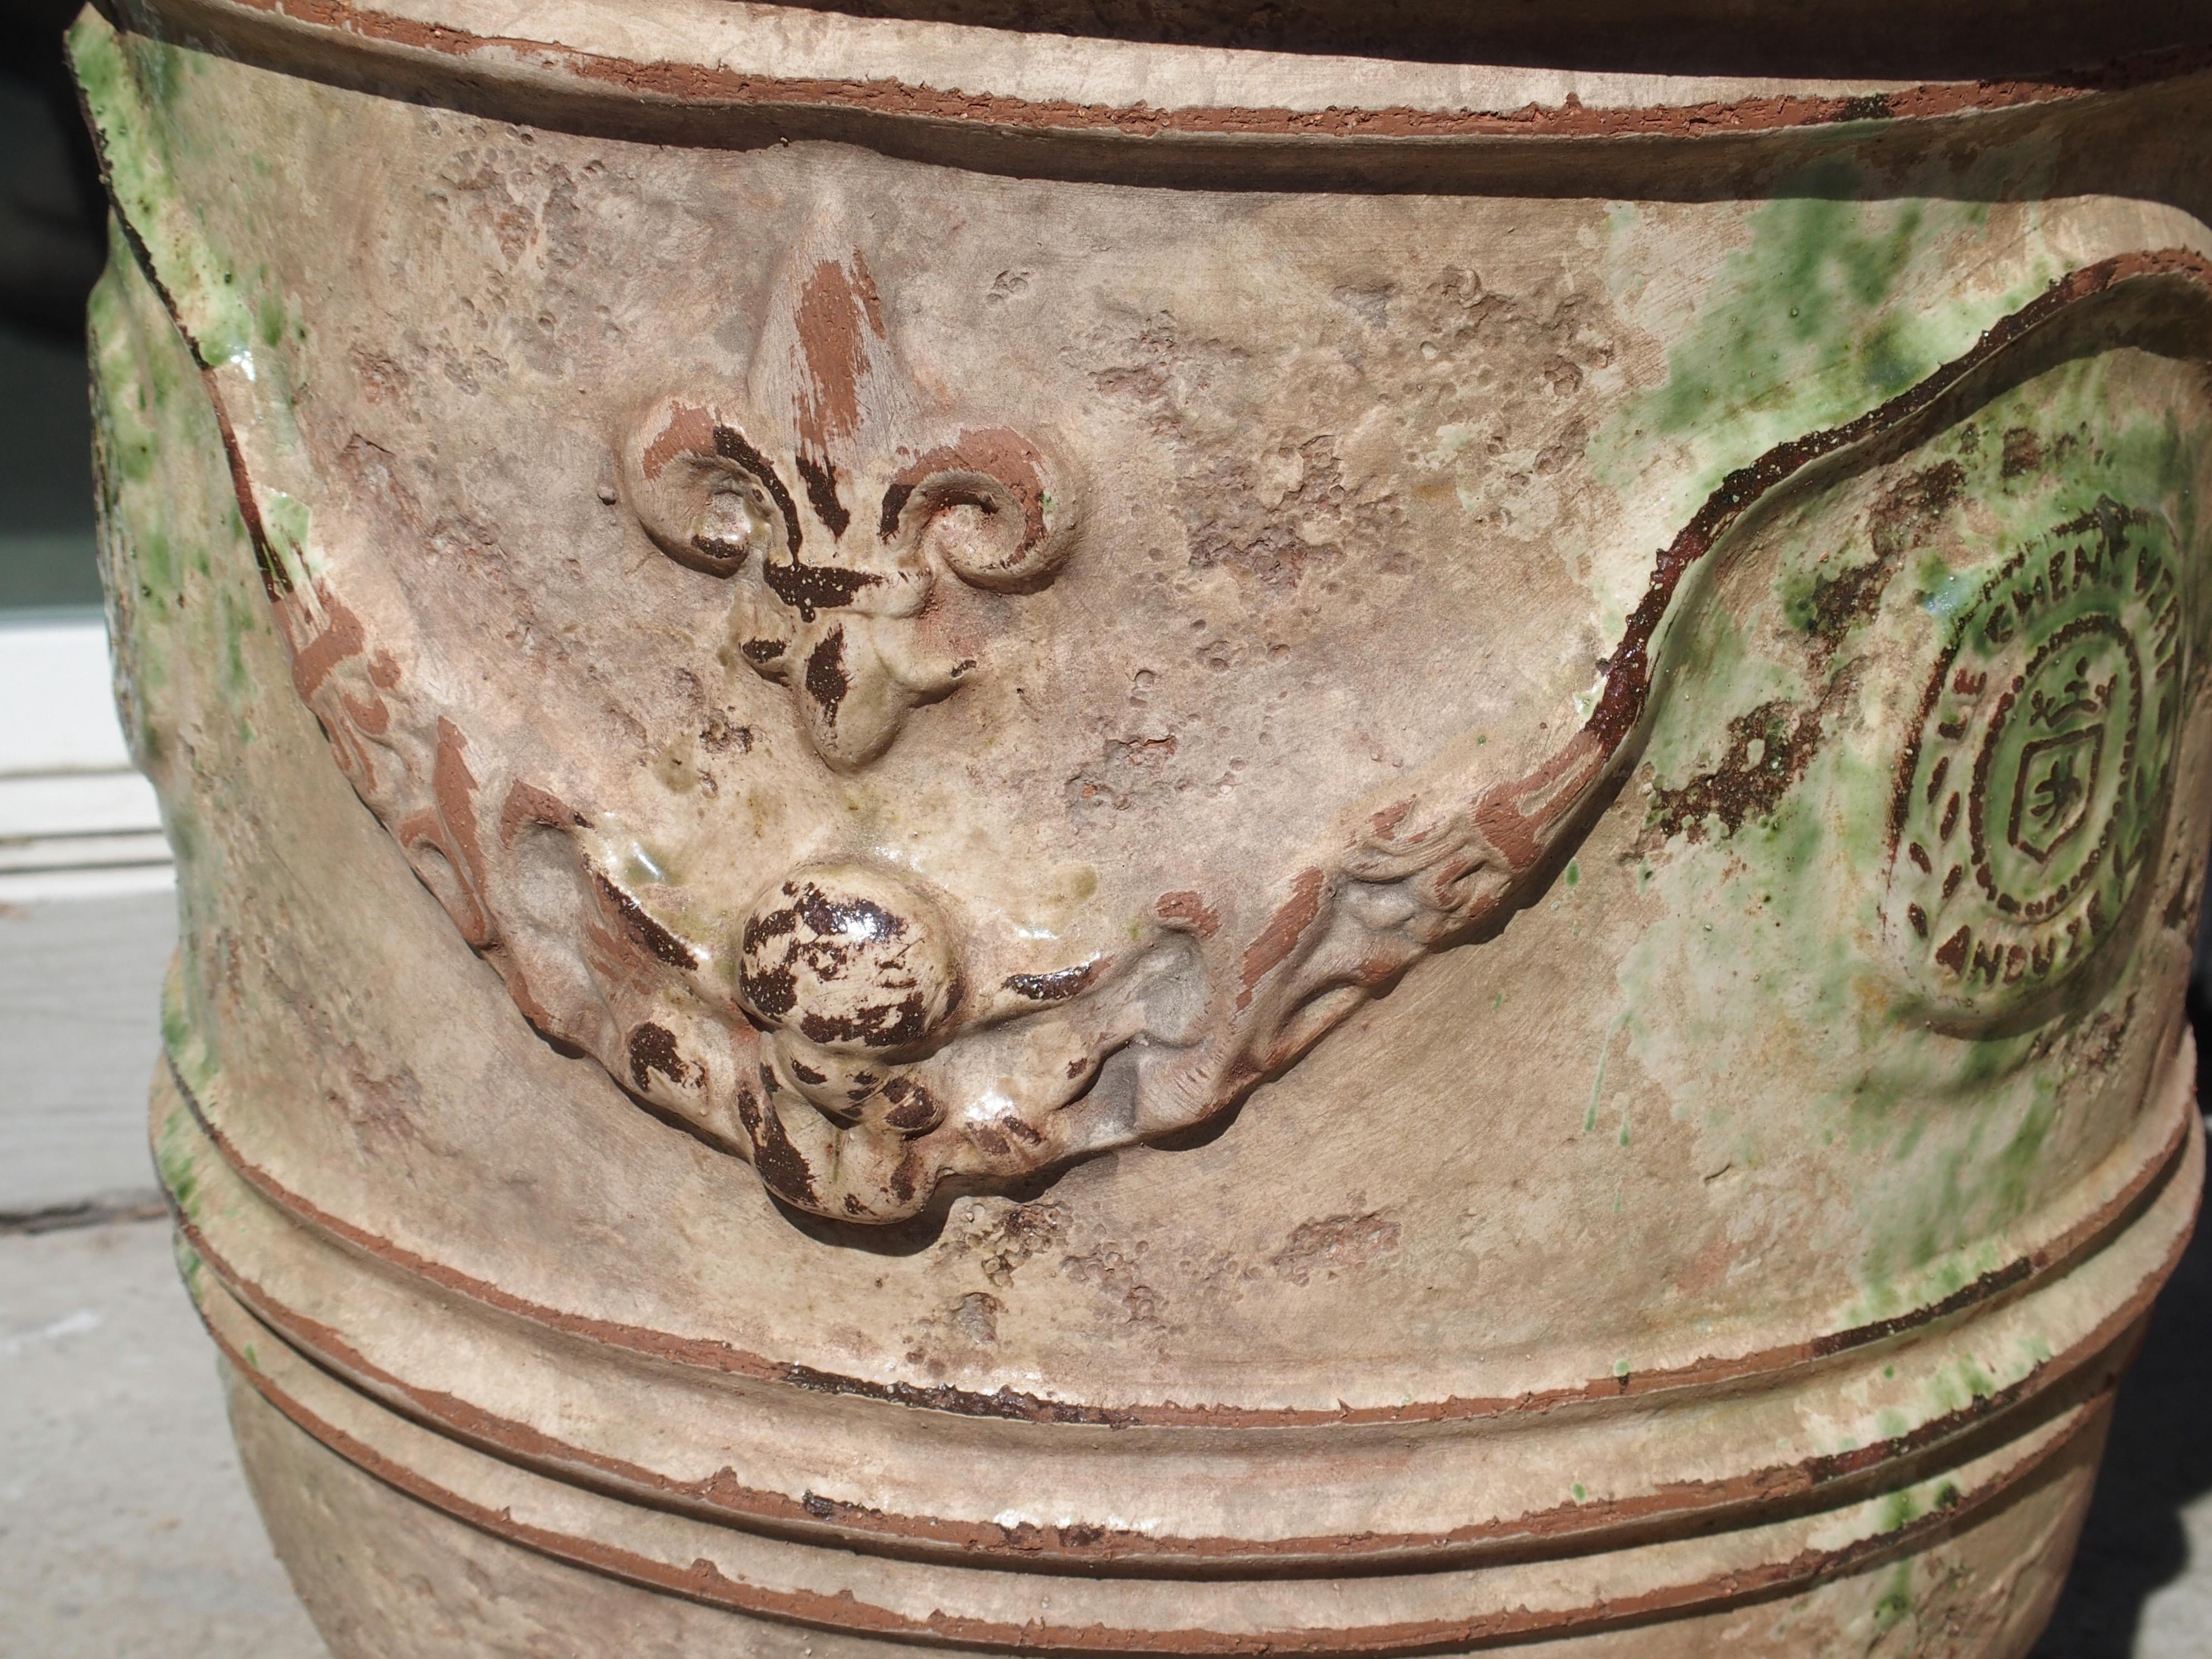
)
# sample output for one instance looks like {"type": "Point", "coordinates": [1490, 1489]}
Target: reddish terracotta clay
{"type": "Point", "coordinates": [1070, 842]}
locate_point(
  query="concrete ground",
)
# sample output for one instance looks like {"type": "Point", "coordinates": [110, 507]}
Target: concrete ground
{"type": "Point", "coordinates": [125, 1529]}
{"type": "Point", "coordinates": [80, 988]}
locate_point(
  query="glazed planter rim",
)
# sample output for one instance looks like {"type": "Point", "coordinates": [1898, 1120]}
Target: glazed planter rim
{"type": "Point", "coordinates": [738, 73]}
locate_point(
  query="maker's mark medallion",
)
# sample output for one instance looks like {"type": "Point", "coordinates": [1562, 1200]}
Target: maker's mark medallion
{"type": "Point", "coordinates": [2029, 796]}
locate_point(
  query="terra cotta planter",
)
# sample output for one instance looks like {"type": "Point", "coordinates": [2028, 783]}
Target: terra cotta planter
{"type": "Point", "coordinates": [1075, 843]}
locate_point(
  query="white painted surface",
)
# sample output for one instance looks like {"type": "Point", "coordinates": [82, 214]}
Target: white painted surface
{"type": "Point", "coordinates": [75, 803]}
{"type": "Point", "coordinates": [57, 699]}
{"type": "Point", "coordinates": [82, 850]}
{"type": "Point", "coordinates": [121, 881]}
{"type": "Point", "coordinates": [87, 919]}
{"type": "Point", "coordinates": [75, 822]}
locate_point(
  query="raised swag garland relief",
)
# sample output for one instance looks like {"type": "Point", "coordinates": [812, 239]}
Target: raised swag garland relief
{"type": "Point", "coordinates": [854, 1051]}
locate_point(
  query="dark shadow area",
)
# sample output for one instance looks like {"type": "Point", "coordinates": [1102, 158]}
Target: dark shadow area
{"type": "Point", "coordinates": [1898, 40]}
{"type": "Point", "coordinates": [52, 244]}
{"type": "Point", "coordinates": [2159, 1459]}
{"type": "Point", "coordinates": [50, 207]}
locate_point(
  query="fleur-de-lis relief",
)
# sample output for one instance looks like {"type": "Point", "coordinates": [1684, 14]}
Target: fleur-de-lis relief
{"type": "Point", "coordinates": [825, 601]}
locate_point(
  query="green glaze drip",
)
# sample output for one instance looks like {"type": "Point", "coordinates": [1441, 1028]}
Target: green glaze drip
{"type": "Point", "coordinates": [1597, 1083]}
{"type": "Point", "coordinates": [1809, 300]}
{"type": "Point", "coordinates": [128, 119]}
{"type": "Point", "coordinates": [1766, 1001]}
{"type": "Point", "coordinates": [1896, 1601]}
{"type": "Point", "coordinates": [190, 1265]}
{"type": "Point", "coordinates": [288, 521]}
{"type": "Point", "coordinates": [173, 1163]}
{"type": "Point", "coordinates": [1827, 310]}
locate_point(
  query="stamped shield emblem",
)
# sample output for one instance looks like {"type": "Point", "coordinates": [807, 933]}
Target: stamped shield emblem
{"type": "Point", "coordinates": [2052, 786]}
{"type": "Point", "coordinates": [2029, 798]}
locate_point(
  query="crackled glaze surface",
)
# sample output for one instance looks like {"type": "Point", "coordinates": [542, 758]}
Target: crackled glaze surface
{"type": "Point", "coordinates": [1428, 878]}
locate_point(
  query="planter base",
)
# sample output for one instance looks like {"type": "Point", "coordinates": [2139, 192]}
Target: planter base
{"type": "Point", "coordinates": [387, 1577]}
